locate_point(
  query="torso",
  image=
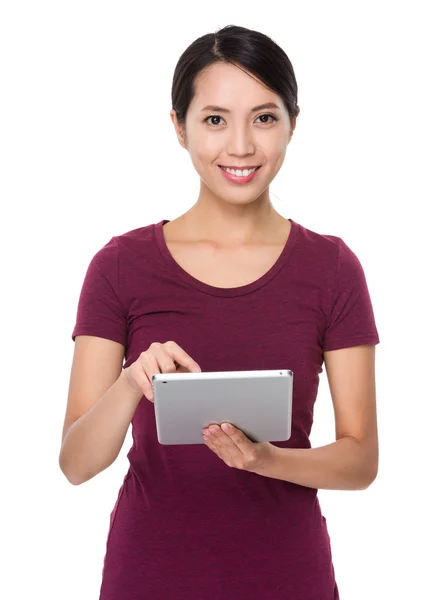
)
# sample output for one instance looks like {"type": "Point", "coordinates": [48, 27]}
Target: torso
{"type": "Point", "coordinates": [221, 267]}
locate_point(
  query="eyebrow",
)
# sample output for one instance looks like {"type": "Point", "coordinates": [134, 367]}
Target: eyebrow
{"type": "Point", "coordinates": [225, 110]}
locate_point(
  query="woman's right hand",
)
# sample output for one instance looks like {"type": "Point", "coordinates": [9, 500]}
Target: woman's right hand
{"type": "Point", "coordinates": [168, 357]}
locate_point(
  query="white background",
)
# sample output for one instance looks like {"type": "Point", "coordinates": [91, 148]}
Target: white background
{"type": "Point", "coordinates": [88, 151]}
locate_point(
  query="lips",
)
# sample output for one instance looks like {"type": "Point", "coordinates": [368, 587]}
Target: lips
{"type": "Point", "coordinates": [240, 179]}
{"type": "Point", "coordinates": [239, 168]}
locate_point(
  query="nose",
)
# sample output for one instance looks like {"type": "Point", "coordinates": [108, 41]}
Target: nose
{"type": "Point", "coordinates": [240, 141]}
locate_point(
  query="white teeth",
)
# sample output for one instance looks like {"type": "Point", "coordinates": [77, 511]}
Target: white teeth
{"type": "Point", "coordinates": [239, 173]}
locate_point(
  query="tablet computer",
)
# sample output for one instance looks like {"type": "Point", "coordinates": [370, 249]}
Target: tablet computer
{"type": "Point", "coordinates": [259, 403]}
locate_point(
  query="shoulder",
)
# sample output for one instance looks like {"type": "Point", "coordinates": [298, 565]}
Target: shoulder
{"type": "Point", "coordinates": [321, 248]}
{"type": "Point", "coordinates": [131, 244]}
{"type": "Point", "coordinates": [330, 246]}
{"type": "Point", "coordinates": [138, 236]}
{"type": "Point", "coordinates": [329, 259]}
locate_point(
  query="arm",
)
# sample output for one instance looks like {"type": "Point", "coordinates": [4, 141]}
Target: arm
{"type": "Point", "coordinates": [94, 441]}
{"type": "Point", "coordinates": [342, 465]}
{"type": "Point", "coordinates": [351, 462]}
{"type": "Point", "coordinates": [101, 405]}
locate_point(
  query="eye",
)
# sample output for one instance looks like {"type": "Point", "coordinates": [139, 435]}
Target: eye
{"type": "Point", "coordinates": [261, 116]}
{"type": "Point", "coordinates": [271, 116]}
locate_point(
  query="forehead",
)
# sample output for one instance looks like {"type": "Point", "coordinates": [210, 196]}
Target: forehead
{"type": "Point", "coordinates": [225, 85]}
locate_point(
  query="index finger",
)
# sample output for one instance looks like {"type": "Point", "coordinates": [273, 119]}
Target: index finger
{"type": "Point", "coordinates": [181, 357]}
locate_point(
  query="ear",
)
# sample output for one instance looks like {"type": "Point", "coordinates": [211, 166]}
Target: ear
{"type": "Point", "coordinates": [293, 123]}
{"type": "Point", "coordinates": [178, 129]}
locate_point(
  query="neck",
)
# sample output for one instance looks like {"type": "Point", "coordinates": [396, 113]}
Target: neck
{"type": "Point", "coordinates": [232, 225]}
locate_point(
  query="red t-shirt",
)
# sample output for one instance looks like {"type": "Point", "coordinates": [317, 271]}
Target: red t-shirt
{"type": "Point", "coordinates": [186, 526]}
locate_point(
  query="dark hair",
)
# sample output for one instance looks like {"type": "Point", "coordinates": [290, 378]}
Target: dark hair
{"type": "Point", "coordinates": [251, 50]}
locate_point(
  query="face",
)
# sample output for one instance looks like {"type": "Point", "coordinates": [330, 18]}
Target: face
{"type": "Point", "coordinates": [240, 137]}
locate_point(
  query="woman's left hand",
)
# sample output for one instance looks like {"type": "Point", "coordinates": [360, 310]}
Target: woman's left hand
{"type": "Point", "coordinates": [236, 450]}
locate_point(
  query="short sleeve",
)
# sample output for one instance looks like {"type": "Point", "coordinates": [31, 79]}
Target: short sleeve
{"type": "Point", "coordinates": [100, 311]}
{"type": "Point", "coordinates": [351, 321]}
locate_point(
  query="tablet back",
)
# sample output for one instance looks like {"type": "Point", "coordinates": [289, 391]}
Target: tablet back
{"type": "Point", "coordinates": [257, 402]}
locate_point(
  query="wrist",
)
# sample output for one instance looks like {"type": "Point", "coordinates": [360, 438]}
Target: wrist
{"type": "Point", "coordinates": [269, 460]}
{"type": "Point", "coordinates": [129, 386]}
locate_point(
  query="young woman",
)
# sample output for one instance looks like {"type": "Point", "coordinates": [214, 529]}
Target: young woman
{"type": "Point", "coordinates": [228, 285]}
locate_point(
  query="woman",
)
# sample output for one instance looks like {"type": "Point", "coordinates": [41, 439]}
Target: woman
{"type": "Point", "coordinates": [228, 285]}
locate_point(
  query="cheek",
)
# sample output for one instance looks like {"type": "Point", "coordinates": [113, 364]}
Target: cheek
{"type": "Point", "coordinates": [202, 143]}
{"type": "Point", "coordinates": [279, 158]}
{"type": "Point", "coordinates": [205, 155]}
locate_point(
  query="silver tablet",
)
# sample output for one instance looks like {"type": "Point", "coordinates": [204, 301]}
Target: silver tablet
{"type": "Point", "coordinates": [259, 403]}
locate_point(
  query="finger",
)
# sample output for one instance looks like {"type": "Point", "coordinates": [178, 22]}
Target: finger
{"type": "Point", "coordinates": [149, 366]}
{"type": "Point", "coordinates": [238, 438]}
{"type": "Point", "coordinates": [225, 448]}
{"type": "Point", "coordinates": [181, 357]}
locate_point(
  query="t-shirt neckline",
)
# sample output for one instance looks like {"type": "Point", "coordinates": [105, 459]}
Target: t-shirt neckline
{"type": "Point", "coordinates": [177, 270]}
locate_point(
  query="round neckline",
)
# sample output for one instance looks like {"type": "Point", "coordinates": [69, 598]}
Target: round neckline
{"type": "Point", "coordinates": [177, 270]}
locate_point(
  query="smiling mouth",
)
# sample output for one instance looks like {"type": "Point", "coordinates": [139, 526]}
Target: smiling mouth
{"type": "Point", "coordinates": [239, 168]}
{"type": "Point", "coordinates": [238, 177]}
